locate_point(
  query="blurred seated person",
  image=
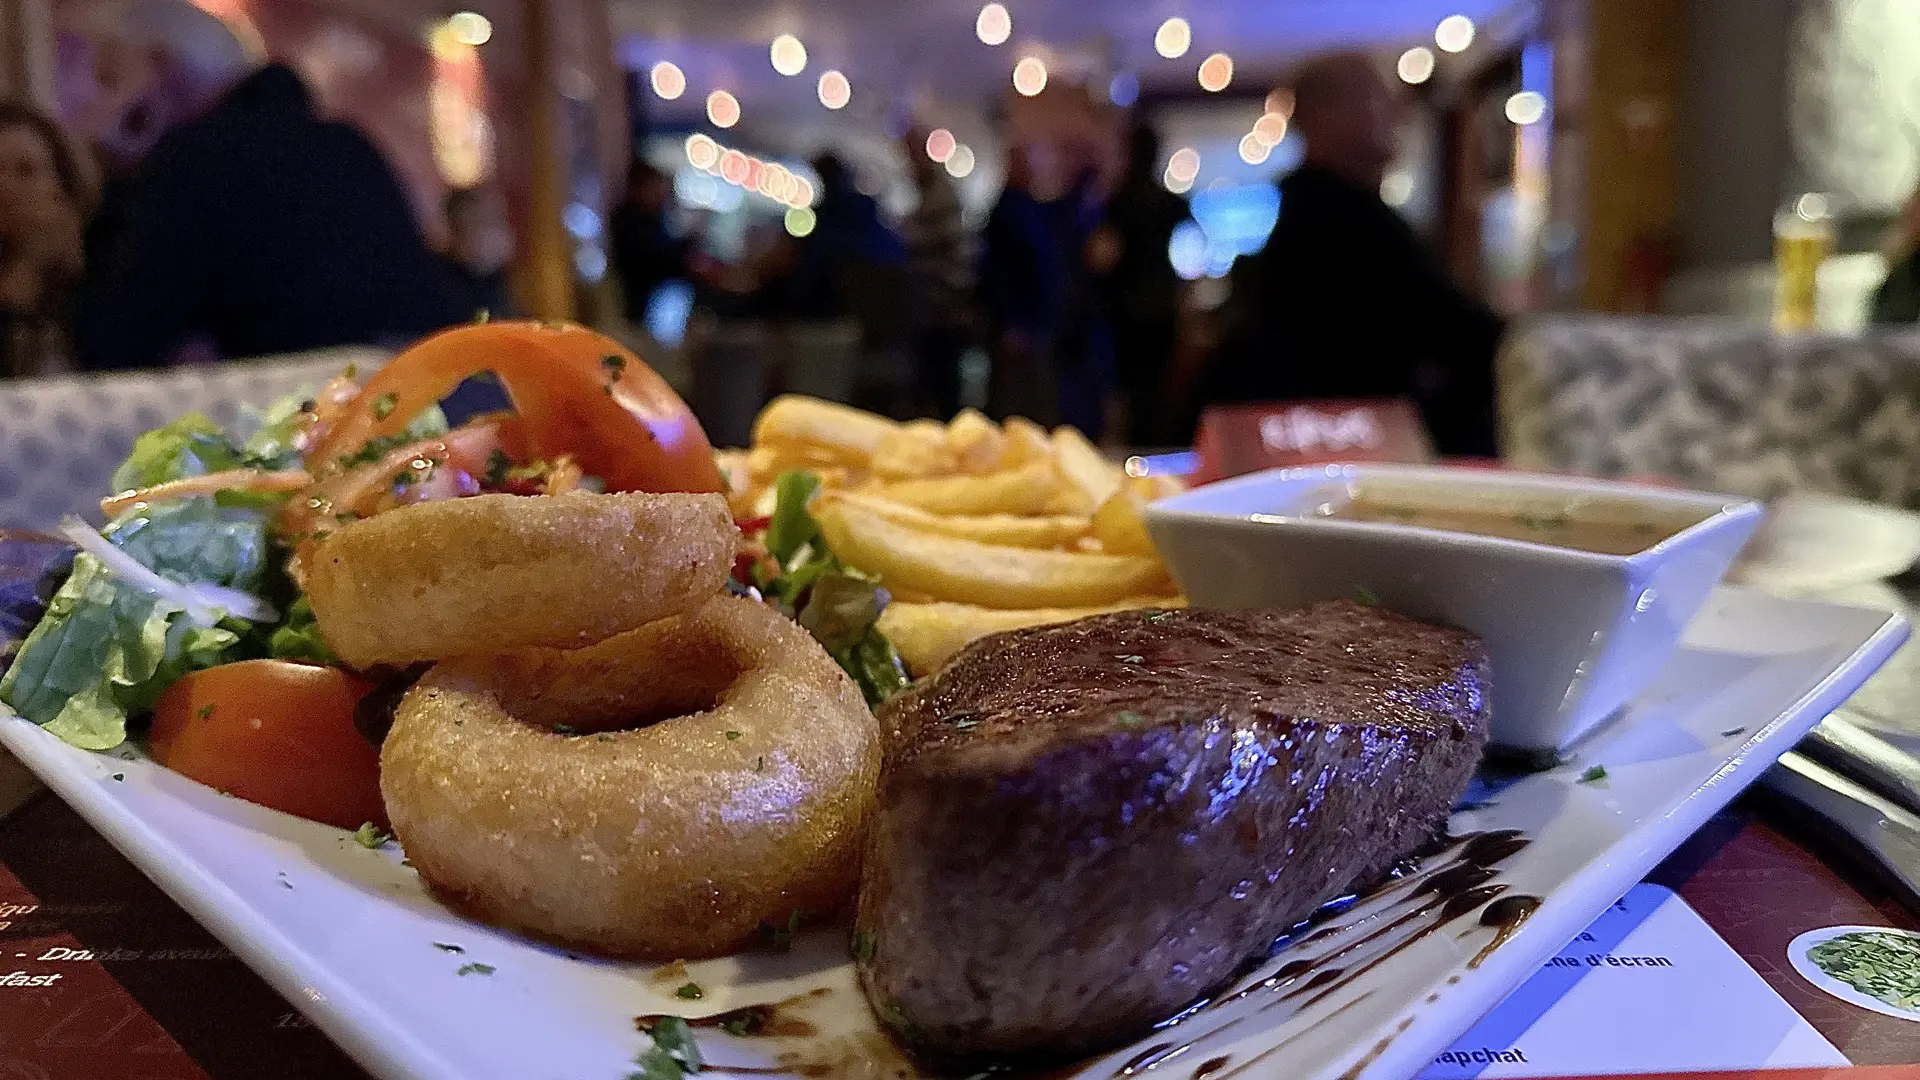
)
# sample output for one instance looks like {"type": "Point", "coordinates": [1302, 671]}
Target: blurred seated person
{"type": "Point", "coordinates": [42, 199]}
{"type": "Point", "coordinates": [481, 247]}
{"type": "Point", "coordinates": [1346, 300]}
{"type": "Point", "coordinates": [1898, 300]}
{"type": "Point", "coordinates": [942, 268]}
{"type": "Point", "coordinates": [1022, 290]}
{"type": "Point", "coordinates": [262, 227]}
{"type": "Point", "coordinates": [645, 254]}
{"type": "Point", "coordinates": [847, 230]}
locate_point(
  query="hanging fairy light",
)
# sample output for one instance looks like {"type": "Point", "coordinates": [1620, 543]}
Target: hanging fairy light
{"type": "Point", "coordinates": [1030, 76]}
{"type": "Point", "coordinates": [1216, 73]}
{"type": "Point", "coordinates": [789, 56]}
{"type": "Point", "coordinates": [702, 152]}
{"type": "Point", "coordinates": [994, 26]}
{"type": "Point", "coordinates": [723, 109]}
{"type": "Point", "coordinates": [1173, 39]}
{"type": "Point", "coordinates": [1253, 150]}
{"type": "Point", "coordinates": [941, 144]}
{"type": "Point", "coordinates": [1184, 165]}
{"type": "Point", "coordinates": [1527, 107]}
{"type": "Point", "coordinates": [1270, 129]}
{"type": "Point", "coordinates": [1454, 34]}
{"type": "Point", "coordinates": [960, 163]}
{"type": "Point", "coordinates": [1416, 65]}
{"type": "Point", "coordinates": [835, 90]}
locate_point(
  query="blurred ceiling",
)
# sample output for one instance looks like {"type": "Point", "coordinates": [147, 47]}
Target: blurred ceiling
{"type": "Point", "coordinates": [905, 50]}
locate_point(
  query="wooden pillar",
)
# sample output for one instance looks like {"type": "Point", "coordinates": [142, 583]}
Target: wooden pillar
{"type": "Point", "coordinates": [1637, 51]}
{"type": "Point", "coordinates": [26, 53]}
{"type": "Point", "coordinates": [550, 255]}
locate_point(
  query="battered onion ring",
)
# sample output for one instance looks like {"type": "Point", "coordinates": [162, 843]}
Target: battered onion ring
{"type": "Point", "coordinates": [494, 573]}
{"type": "Point", "coordinates": [742, 800]}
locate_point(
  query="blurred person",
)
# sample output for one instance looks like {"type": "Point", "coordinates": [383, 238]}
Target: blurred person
{"type": "Point", "coordinates": [42, 201]}
{"type": "Point", "coordinates": [645, 254]}
{"type": "Point", "coordinates": [258, 226]}
{"type": "Point", "coordinates": [1345, 300]}
{"type": "Point", "coordinates": [1020, 289]}
{"type": "Point", "coordinates": [1083, 344]}
{"type": "Point", "coordinates": [847, 230]}
{"type": "Point", "coordinates": [1897, 301]}
{"type": "Point", "coordinates": [941, 263]}
{"type": "Point", "coordinates": [480, 248]}
{"type": "Point", "coordinates": [1142, 288]}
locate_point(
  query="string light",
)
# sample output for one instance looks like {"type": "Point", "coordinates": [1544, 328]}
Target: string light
{"type": "Point", "coordinates": [1216, 72]}
{"type": "Point", "coordinates": [835, 90]}
{"type": "Point", "coordinates": [668, 80]}
{"type": "Point", "coordinates": [960, 162]}
{"type": "Point", "coordinates": [1254, 150]}
{"type": "Point", "coordinates": [1526, 107]}
{"type": "Point", "coordinates": [1454, 34]}
{"type": "Point", "coordinates": [1176, 184]}
{"type": "Point", "coordinates": [470, 28]}
{"type": "Point", "coordinates": [768, 178]}
{"type": "Point", "coordinates": [800, 221]}
{"type": "Point", "coordinates": [1270, 129]}
{"type": "Point", "coordinates": [994, 26]}
{"type": "Point", "coordinates": [723, 109]}
{"type": "Point", "coordinates": [1281, 101]}
{"type": "Point", "coordinates": [1173, 39]}
{"type": "Point", "coordinates": [1416, 65]}
{"type": "Point", "coordinates": [1030, 76]}
{"type": "Point", "coordinates": [940, 144]}
{"type": "Point", "coordinates": [702, 152]}
{"type": "Point", "coordinates": [788, 55]}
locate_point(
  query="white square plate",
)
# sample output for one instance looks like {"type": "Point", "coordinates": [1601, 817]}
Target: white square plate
{"type": "Point", "coordinates": [349, 935]}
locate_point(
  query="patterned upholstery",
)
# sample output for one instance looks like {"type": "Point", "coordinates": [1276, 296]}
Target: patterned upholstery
{"type": "Point", "coordinates": [1716, 405]}
{"type": "Point", "coordinates": [61, 437]}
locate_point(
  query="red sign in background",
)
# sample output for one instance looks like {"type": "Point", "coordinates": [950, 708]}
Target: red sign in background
{"type": "Point", "coordinates": [1237, 439]}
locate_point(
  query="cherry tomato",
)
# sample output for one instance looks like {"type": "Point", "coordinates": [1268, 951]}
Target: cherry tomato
{"type": "Point", "coordinates": [275, 733]}
{"type": "Point", "coordinates": [575, 391]}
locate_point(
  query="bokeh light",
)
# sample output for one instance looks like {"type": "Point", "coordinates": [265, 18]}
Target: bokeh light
{"type": "Point", "coordinates": [1124, 89]}
{"type": "Point", "coordinates": [960, 163]}
{"type": "Point", "coordinates": [1454, 34]}
{"type": "Point", "coordinates": [668, 80]}
{"type": "Point", "coordinates": [723, 109]}
{"type": "Point", "coordinates": [940, 144]}
{"type": "Point", "coordinates": [800, 221]}
{"type": "Point", "coordinates": [1526, 107]}
{"type": "Point", "coordinates": [1253, 150]}
{"type": "Point", "coordinates": [1270, 129]}
{"type": "Point", "coordinates": [994, 26]}
{"type": "Point", "coordinates": [835, 90]}
{"type": "Point", "coordinates": [1216, 72]}
{"type": "Point", "coordinates": [702, 153]}
{"type": "Point", "coordinates": [1281, 101]}
{"type": "Point", "coordinates": [788, 55]}
{"type": "Point", "coordinates": [1030, 76]}
{"type": "Point", "coordinates": [470, 28]}
{"type": "Point", "coordinates": [1173, 39]}
{"type": "Point", "coordinates": [1416, 65]}
{"type": "Point", "coordinates": [1396, 188]}
{"type": "Point", "coordinates": [1184, 165]}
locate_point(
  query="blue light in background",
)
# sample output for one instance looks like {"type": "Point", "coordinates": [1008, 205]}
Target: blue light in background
{"type": "Point", "coordinates": [667, 312]}
{"type": "Point", "coordinates": [581, 220]}
{"type": "Point", "coordinates": [1229, 221]}
{"type": "Point", "coordinates": [1124, 90]}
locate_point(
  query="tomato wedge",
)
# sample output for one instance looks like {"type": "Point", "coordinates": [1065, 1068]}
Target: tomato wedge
{"type": "Point", "coordinates": [276, 733]}
{"type": "Point", "coordinates": [575, 392]}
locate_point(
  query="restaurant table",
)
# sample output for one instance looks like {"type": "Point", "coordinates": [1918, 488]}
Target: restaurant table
{"type": "Point", "coordinates": [146, 994]}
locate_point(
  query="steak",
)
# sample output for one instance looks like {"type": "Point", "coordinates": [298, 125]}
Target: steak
{"type": "Point", "coordinates": [1083, 828]}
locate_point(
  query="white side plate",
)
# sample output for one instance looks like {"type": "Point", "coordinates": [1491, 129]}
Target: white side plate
{"type": "Point", "coordinates": [349, 935]}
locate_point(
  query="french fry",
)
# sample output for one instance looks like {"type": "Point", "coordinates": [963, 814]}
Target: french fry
{"type": "Point", "coordinates": [929, 634]}
{"type": "Point", "coordinates": [1008, 529]}
{"type": "Point", "coordinates": [914, 452]}
{"type": "Point", "coordinates": [1119, 524]}
{"type": "Point", "coordinates": [976, 441]}
{"type": "Point", "coordinates": [1027, 442]}
{"type": "Point", "coordinates": [848, 436]}
{"type": "Point", "coordinates": [989, 575]}
{"type": "Point", "coordinates": [1027, 490]}
{"type": "Point", "coordinates": [1095, 476]}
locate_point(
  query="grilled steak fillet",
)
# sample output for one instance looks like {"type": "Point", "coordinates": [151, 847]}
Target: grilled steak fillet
{"type": "Point", "coordinates": [1083, 828]}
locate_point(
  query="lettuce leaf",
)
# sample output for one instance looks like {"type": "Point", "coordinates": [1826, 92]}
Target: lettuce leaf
{"type": "Point", "coordinates": [271, 444]}
{"type": "Point", "coordinates": [105, 649]}
{"type": "Point", "coordinates": [190, 446]}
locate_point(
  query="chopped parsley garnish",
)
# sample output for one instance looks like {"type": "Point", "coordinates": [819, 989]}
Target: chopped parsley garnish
{"type": "Point", "coordinates": [1597, 773]}
{"type": "Point", "coordinates": [206, 710]}
{"type": "Point", "coordinates": [370, 837]}
{"type": "Point", "coordinates": [690, 992]}
{"type": "Point", "coordinates": [864, 946]}
{"type": "Point", "coordinates": [444, 946]}
{"type": "Point", "coordinates": [1158, 617]}
{"type": "Point", "coordinates": [1364, 595]}
{"type": "Point", "coordinates": [1130, 719]}
{"type": "Point", "coordinates": [674, 1052]}
{"type": "Point", "coordinates": [475, 969]}
{"type": "Point", "coordinates": [965, 724]}
{"type": "Point", "coordinates": [346, 517]}
{"type": "Point", "coordinates": [615, 364]}
{"type": "Point", "coordinates": [1131, 658]}
{"type": "Point", "coordinates": [732, 735]}
{"type": "Point", "coordinates": [747, 1022]}
{"type": "Point", "coordinates": [375, 449]}
{"type": "Point", "coordinates": [498, 464]}
{"type": "Point", "coordinates": [780, 938]}
{"type": "Point", "coordinates": [384, 405]}
{"type": "Point", "coordinates": [565, 729]}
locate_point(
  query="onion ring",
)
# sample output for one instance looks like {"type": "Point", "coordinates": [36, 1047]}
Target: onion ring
{"type": "Point", "coordinates": [745, 805]}
{"type": "Point", "coordinates": [495, 573]}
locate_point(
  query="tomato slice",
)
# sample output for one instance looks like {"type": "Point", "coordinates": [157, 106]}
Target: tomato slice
{"type": "Point", "coordinates": [276, 733]}
{"type": "Point", "coordinates": [575, 392]}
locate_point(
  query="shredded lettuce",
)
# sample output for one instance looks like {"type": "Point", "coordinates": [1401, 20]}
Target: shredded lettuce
{"type": "Point", "coordinates": [298, 638]}
{"type": "Point", "coordinates": [190, 446]}
{"type": "Point", "coordinates": [271, 444]}
{"type": "Point", "coordinates": [838, 604]}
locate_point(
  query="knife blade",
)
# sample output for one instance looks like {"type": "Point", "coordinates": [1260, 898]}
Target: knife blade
{"type": "Point", "coordinates": [1849, 748]}
{"type": "Point", "coordinates": [1886, 832]}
